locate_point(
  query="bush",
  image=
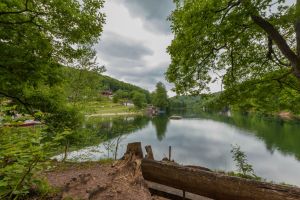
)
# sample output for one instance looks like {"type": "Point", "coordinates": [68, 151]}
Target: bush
{"type": "Point", "coordinates": [244, 168]}
{"type": "Point", "coordinates": [21, 155]}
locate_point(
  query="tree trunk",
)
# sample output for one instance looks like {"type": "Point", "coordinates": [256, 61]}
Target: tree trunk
{"type": "Point", "coordinates": [117, 147]}
{"type": "Point", "coordinates": [66, 151]}
{"type": "Point", "coordinates": [215, 185]}
{"type": "Point", "coordinates": [134, 149]}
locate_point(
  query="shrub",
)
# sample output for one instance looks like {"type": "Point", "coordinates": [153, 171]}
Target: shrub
{"type": "Point", "coordinates": [21, 155]}
{"type": "Point", "coordinates": [245, 169]}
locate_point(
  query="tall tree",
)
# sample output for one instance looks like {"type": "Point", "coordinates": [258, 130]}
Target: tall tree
{"type": "Point", "coordinates": [237, 41]}
{"type": "Point", "coordinates": [160, 96]}
{"type": "Point", "coordinates": [139, 99]}
{"type": "Point", "coordinates": [36, 39]}
{"type": "Point", "coordinates": [83, 83]}
{"type": "Point", "coordinates": [121, 95]}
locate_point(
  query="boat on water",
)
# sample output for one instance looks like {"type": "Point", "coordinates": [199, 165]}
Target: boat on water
{"type": "Point", "coordinates": [175, 117]}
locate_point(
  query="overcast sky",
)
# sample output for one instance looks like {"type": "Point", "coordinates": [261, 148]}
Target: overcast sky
{"type": "Point", "coordinates": [134, 41]}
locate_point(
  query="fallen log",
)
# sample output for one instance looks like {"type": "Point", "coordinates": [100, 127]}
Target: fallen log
{"type": "Point", "coordinates": [214, 185]}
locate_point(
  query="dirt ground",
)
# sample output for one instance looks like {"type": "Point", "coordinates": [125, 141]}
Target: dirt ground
{"type": "Point", "coordinates": [98, 181]}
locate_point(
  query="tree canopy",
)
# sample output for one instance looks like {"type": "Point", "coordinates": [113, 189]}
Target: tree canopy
{"type": "Point", "coordinates": [237, 41]}
{"type": "Point", "coordinates": [37, 38]}
{"type": "Point", "coordinates": [139, 99]}
{"type": "Point", "coordinates": [160, 96]}
{"type": "Point", "coordinates": [115, 85]}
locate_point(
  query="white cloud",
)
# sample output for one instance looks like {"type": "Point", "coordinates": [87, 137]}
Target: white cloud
{"type": "Point", "coordinates": [129, 49]}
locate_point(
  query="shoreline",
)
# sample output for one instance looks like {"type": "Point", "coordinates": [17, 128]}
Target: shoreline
{"type": "Point", "coordinates": [113, 114]}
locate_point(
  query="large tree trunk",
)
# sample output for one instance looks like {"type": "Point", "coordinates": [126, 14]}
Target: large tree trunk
{"type": "Point", "coordinates": [215, 185]}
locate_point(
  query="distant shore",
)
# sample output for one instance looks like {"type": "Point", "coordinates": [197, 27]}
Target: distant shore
{"type": "Point", "coordinates": [113, 114]}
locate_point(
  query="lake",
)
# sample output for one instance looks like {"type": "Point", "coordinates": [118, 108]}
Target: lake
{"type": "Point", "coordinates": [272, 146]}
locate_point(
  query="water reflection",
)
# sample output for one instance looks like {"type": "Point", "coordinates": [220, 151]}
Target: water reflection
{"type": "Point", "coordinates": [109, 128]}
{"type": "Point", "coordinates": [277, 134]}
{"type": "Point", "coordinates": [272, 146]}
{"type": "Point", "coordinates": [161, 124]}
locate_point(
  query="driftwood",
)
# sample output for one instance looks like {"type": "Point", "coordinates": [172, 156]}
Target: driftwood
{"type": "Point", "coordinates": [214, 185]}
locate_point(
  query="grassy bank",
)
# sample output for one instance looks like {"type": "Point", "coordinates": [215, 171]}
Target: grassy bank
{"type": "Point", "coordinates": [106, 107]}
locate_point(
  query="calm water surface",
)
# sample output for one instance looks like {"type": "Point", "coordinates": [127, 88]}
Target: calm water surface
{"type": "Point", "coordinates": [272, 146]}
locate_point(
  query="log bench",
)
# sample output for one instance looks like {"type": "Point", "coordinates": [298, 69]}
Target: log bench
{"type": "Point", "coordinates": [173, 181]}
{"type": "Point", "coordinates": [214, 185]}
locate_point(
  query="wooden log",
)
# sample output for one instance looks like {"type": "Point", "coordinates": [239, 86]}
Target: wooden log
{"type": "Point", "coordinates": [149, 154]}
{"type": "Point", "coordinates": [215, 185]}
{"type": "Point", "coordinates": [171, 193]}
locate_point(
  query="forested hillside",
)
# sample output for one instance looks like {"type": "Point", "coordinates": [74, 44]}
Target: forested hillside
{"type": "Point", "coordinates": [85, 83]}
{"type": "Point", "coordinates": [184, 102]}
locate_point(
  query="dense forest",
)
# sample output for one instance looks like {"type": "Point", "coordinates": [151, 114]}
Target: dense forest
{"type": "Point", "coordinates": [271, 103]}
{"type": "Point", "coordinates": [90, 83]}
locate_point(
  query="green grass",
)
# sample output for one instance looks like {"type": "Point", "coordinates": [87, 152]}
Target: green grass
{"type": "Point", "coordinates": [106, 106]}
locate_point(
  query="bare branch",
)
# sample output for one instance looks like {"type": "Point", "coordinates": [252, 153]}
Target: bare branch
{"type": "Point", "coordinates": [229, 7]}
{"type": "Point", "coordinates": [271, 54]}
{"type": "Point", "coordinates": [230, 4]}
{"type": "Point", "coordinates": [278, 61]}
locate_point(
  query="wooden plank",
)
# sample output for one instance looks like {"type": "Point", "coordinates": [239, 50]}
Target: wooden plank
{"type": "Point", "coordinates": [171, 193]}
{"type": "Point", "coordinates": [214, 185]}
{"type": "Point", "coordinates": [166, 194]}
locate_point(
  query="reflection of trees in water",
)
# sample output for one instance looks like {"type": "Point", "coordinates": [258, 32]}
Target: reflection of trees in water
{"type": "Point", "coordinates": [276, 133]}
{"type": "Point", "coordinates": [112, 128]}
{"type": "Point", "coordinates": [160, 123]}
{"type": "Point", "coordinates": [113, 131]}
